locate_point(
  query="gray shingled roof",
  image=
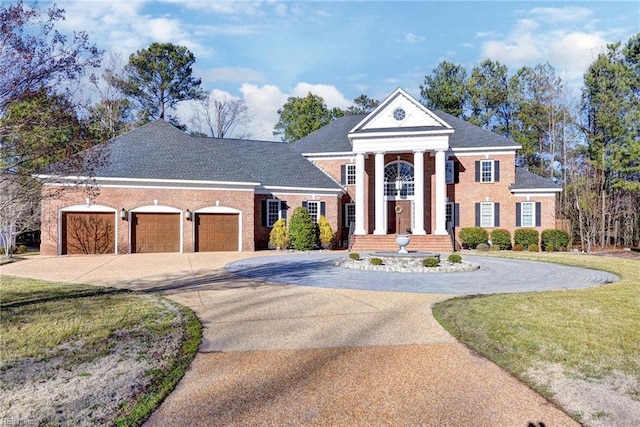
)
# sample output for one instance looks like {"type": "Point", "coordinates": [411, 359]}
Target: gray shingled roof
{"type": "Point", "coordinates": [333, 137]}
{"type": "Point", "coordinates": [526, 180]}
{"type": "Point", "coordinates": [158, 150]}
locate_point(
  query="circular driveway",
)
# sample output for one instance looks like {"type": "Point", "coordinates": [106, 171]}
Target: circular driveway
{"type": "Point", "coordinates": [496, 275]}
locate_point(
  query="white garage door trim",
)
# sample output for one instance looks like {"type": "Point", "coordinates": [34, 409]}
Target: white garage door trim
{"type": "Point", "coordinates": [87, 208]}
{"type": "Point", "coordinates": [157, 209]}
{"type": "Point", "coordinates": [221, 210]}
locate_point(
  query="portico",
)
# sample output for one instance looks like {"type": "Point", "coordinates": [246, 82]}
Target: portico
{"type": "Point", "coordinates": [400, 126]}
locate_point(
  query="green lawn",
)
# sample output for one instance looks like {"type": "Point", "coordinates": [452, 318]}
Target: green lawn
{"type": "Point", "coordinates": [591, 332]}
{"type": "Point", "coordinates": [81, 323]}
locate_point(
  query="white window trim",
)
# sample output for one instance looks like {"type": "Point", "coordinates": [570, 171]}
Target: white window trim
{"type": "Point", "coordinates": [317, 203]}
{"type": "Point", "coordinates": [493, 169]}
{"type": "Point", "coordinates": [493, 214]}
{"type": "Point", "coordinates": [350, 174]}
{"type": "Point", "coordinates": [532, 224]}
{"type": "Point", "coordinates": [269, 203]}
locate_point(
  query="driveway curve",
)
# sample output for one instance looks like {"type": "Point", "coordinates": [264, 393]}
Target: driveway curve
{"type": "Point", "coordinates": [496, 275]}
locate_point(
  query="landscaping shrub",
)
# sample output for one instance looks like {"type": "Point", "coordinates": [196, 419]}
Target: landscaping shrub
{"type": "Point", "coordinates": [454, 258]}
{"type": "Point", "coordinates": [375, 261]}
{"type": "Point", "coordinates": [473, 236]}
{"type": "Point", "coordinates": [517, 247]}
{"type": "Point", "coordinates": [554, 240]}
{"type": "Point", "coordinates": [302, 230]}
{"type": "Point", "coordinates": [354, 256]}
{"type": "Point", "coordinates": [430, 262]}
{"type": "Point", "coordinates": [533, 248]}
{"type": "Point", "coordinates": [494, 248]}
{"type": "Point", "coordinates": [526, 237]}
{"type": "Point", "coordinates": [327, 236]}
{"type": "Point", "coordinates": [20, 249]}
{"type": "Point", "coordinates": [279, 235]}
{"type": "Point", "coordinates": [482, 247]}
{"type": "Point", "coordinates": [501, 238]}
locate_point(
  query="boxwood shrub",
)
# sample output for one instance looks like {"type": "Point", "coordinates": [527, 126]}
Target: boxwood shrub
{"type": "Point", "coordinates": [430, 262]}
{"type": "Point", "coordinates": [455, 258]}
{"type": "Point", "coordinates": [473, 236]}
{"type": "Point", "coordinates": [526, 237]}
{"type": "Point", "coordinates": [554, 240]}
{"type": "Point", "coordinates": [354, 256]}
{"type": "Point", "coordinates": [482, 247]}
{"type": "Point", "coordinates": [501, 238]}
{"type": "Point", "coordinates": [375, 261]}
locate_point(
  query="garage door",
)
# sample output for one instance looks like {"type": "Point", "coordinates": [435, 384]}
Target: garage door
{"type": "Point", "coordinates": [217, 232]}
{"type": "Point", "coordinates": [88, 233]}
{"type": "Point", "coordinates": [155, 232]}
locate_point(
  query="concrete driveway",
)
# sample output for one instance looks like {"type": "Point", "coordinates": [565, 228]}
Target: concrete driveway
{"type": "Point", "coordinates": [283, 354]}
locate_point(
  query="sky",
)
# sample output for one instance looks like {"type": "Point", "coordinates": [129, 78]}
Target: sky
{"type": "Point", "coordinates": [266, 51]}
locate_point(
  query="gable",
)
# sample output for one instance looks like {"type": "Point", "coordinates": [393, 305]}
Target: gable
{"type": "Point", "coordinates": [400, 112]}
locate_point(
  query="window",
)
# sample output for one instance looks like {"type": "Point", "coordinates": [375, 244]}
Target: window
{"type": "Point", "coordinates": [398, 179]}
{"type": "Point", "coordinates": [488, 214]}
{"type": "Point", "coordinates": [528, 214]}
{"type": "Point", "coordinates": [487, 171]}
{"type": "Point", "coordinates": [315, 209]}
{"type": "Point", "coordinates": [350, 170]}
{"type": "Point", "coordinates": [450, 172]}
{"type": "Point", "coordinates": [273, 210]}
{"type": "Point", "coordinates": [349, 214]}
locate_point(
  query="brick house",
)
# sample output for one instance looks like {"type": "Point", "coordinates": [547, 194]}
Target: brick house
{"type": "Point", "coordinates": [399, 169]}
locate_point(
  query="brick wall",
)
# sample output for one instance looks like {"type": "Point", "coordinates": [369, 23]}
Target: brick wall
{"type": "Point", "coordinates": [131, 198]}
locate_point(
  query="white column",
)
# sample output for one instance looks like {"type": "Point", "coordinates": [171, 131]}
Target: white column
{"type": "Point", "coordinates": [379, 195]}
{"type": "Point", "coordinates": [360, 196]}
{"type": "Point", "coordinates": [441, 190]}
{"type": "Point", "coordinates": [418, 182]}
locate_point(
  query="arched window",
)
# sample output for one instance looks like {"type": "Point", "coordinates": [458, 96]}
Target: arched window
{"type": "Point", "coordinates": [398, 179]}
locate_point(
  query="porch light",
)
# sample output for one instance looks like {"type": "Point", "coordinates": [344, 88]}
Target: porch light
{"type": "Point", "coordinates": [187, 215]}
{"type": "Point", "coordinates": [398, 184]}
{"type": "Point", "coordinates": [123, 214]}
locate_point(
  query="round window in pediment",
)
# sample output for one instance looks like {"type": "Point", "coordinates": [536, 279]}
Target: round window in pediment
{"type": "Point", "coordinates": [399, 114]}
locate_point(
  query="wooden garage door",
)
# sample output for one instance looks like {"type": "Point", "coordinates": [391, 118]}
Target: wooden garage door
{"type": "Point", "coordinates": [88, 233]}
{"type": "Point", "coordinates": [155, 232]}
{"type": "Point", "coordinates": [217, 232]}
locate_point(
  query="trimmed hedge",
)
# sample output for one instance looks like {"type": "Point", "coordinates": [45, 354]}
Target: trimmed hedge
{"type": "Point", "coordinates": [375, 261]}
{"type": "Point", "coordinates": [526, 236]}
{"type": "Point", "coordinates": [454, 258]}
{"type": "Point", "coordinates": [501, 238]}
{"type": "Point", "coordinates": [430, 262]}
{"type": "Point", "coordinates": [554, 240]}
{"type": "Point", "coordinates": [473, 236]}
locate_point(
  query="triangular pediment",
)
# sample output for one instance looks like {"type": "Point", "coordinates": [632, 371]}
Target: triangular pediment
{"type": "Point", "coordinates": [400, 113]}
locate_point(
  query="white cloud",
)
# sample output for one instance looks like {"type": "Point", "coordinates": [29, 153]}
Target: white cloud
{"type": "Point", "coordinates": [554, 15]}
{"type": "Point", "coordinates": [412, 38]}
{"type": "Point", "coordinates": [519, 48]}
{"type": "Point", "coordinates": [264, 102]}
{"type": "Point", "coordinates": [572, 53]}
{"type": "Point", "coordinates": [331, 95]}
{"type": "Point", "coordinates": [235, 74]}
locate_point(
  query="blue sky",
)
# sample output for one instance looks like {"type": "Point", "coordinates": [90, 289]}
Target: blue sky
{"type": "Point", "coordinates": [265, 51]}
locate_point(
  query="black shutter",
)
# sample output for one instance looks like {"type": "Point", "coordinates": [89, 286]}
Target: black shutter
{"type": "Point", "coordinates": [304, 205]}
{"type": "Point", "coordinates": [518, 214]}
{"type": "Point", "coordinates": [456, 214]}
{"type": "Point", "coordinates": [323, 210]}
{"type": "Point", "coordinates": [456, 172]}
{"type": "Point", "coordinates": [477, 214]}
{"type": "Point", "coordinates": [538, 214]}
{"type": "Point", "coordinates": [343, 174]}
{"type": "Point", "coordinates": [477, 170]}
{"type": "Point", "coordinates": [496, 214]}
{"type": "Point", "coordinates": [496, 172]}
{"type": "Point", "coordinates": [283, 209]}
{"type": "Point", "coordinates": [263, 214]}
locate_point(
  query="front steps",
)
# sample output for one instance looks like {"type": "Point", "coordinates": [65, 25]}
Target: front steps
{"type": "Point", "coordinates": [387, 243]}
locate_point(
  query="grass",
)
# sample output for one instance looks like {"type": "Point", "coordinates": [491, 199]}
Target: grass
{"type": "Point", "coordinates": [81, 323]}
{"type": "Point", "coordinates": [592, 332]}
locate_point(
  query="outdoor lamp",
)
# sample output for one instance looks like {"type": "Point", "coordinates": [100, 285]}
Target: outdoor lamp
{"type": "Point", "coordinates": [398, 184]}
{"type": "Point", "coordinates": [187, 215]}
{"type": "Point", "coordinates": [123, 214]}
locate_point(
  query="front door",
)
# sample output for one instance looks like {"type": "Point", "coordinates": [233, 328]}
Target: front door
{"type": "Point", "coordinates": [399, 216]}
